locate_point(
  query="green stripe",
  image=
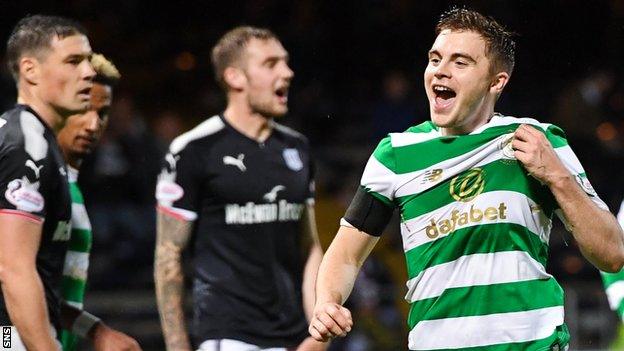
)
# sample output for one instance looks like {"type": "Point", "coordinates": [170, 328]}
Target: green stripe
{"type": "Point", "coordinates": [610, 278]}
{"type": "Point", "coordinates": [68, 340]}
{"type": "Point", "coordinates": [498, 175]}
{"type": "Point", "coordinates": [501, 298]}
{"type": "Point", "coordinates": [422, 155]}
{"type": "Point", "coordinates": [486, 238]}
{"type": "Point", "coordinates": [384, 153]}
{"type": "Point", "coordinates": [425, 154]}
{"type": "Point", "coordinates": [80, 240]}
{"type": "Point", "coordinates": [73, 289]}
{"type": "Point", "coordinates": [620, 310]}
{"type": "Point", "coordinates": [76, 195]}
{"type": "Point", "coordinates": [556, 136]}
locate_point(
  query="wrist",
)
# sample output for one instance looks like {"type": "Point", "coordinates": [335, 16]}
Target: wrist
{"type": "Point", "coordinates": [560, 180]}
{"type": "Point", "coordinates": [86, 325]}
{"type": "Point", "coordinates": [329, 298]}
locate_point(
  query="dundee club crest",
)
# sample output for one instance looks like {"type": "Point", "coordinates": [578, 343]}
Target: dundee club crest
{"type": "Point", "coordinates": [293, 160]}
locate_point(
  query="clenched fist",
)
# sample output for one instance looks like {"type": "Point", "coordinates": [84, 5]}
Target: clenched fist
{"type": "Point", "coordinates": [330, 320]}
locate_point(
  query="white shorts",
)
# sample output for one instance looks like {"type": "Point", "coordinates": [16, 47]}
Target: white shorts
{"type": "Point", "coordinates": [11, 339]}
{"type": "Point", "coordinates": [233, 345]}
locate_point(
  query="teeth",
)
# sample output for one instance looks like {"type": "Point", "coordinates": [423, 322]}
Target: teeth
{"type": "Point", "coordinates": [441, 88]}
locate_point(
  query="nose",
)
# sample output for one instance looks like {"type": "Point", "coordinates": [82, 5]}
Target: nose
{"type": "Point", "coordinates": [93, 122]}
{"type": "Point", "coordinates": [87, 70]}
{"type": "Point", "coordinates": [288, 72]}
{"type": "Point", "coordinates": [442, 70]}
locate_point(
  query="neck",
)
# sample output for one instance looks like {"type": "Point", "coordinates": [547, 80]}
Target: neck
{"type": "Point", "coordinates": [73, 162]}
{"type": "Point", "coordinates": [472, 123]}
{"type": "Point", "coordinates": [251, 124]}
{"type": "Point", "coordinates": [49, 115]}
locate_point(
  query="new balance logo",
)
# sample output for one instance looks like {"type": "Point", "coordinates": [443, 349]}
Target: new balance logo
{"type": "Point", "coordinates": [271, 196]}
{"type": "Point", "coordinates": [238, 162]}
{"type": "Point", "coordinates": [30, 164]}
{"type": "Point", "coordinates": [432, 175]}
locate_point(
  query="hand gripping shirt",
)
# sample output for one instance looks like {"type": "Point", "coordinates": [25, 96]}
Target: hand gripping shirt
{"type": "Point", "coordinates": [475, 228]}
{"type": "Point", "coordinates": [33, 184]}
{"type": "Point", "coordinates": [246, 200]}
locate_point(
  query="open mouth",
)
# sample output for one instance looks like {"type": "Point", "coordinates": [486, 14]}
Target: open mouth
{"type": "Point", "coordinates": [444, 97]}
{"type": "Point", "coordinates": [282, 94]}
{"type": "Point", "coordinates": [85, 92]}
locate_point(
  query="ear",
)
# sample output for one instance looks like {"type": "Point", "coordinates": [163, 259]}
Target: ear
{"type": "Point", "coordinates": [235, 78]}
{"type": "Point", "coordinates": [499, 81]}
{"type": "Point", "coordinates": [29, 69]}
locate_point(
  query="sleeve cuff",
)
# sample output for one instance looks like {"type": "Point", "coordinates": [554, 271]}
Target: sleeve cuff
{"type": "Point", "coordinates": [178, 213]}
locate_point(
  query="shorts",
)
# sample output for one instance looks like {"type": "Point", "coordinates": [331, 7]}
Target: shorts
{"type": "Point", "coordinates": [233, 345]}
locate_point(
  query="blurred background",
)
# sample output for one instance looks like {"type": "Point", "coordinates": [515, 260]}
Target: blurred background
{"type": "Point", "coordinates": [358, 75]}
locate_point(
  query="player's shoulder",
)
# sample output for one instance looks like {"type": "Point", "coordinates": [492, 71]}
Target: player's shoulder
{"type": "Point", "coordinates": [289, 133]}
{"type": "Point", "coordinates": [553, 132]}
{"type": "Point", "coordinates": [413, 135]}
{"type": "Point", "coordinates": [206, 129]}
{"type": "Point", "coordinates": [499, 120]}
{"type": "Point", "coordinates": [21, 129]}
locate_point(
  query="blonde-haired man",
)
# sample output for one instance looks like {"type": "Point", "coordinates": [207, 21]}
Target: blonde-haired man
{"type": "Point", "coordinates": [78, 137]}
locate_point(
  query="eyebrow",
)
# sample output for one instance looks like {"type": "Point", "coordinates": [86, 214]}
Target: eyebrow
{"type": "Point", "coordinates": [78, 56]}
{"type": "Point", "coordinates": [285, 57]}
{"type": "Point", "coordinates": [455, 55]}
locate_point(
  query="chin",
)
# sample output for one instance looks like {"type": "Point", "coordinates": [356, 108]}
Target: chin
{"type": "Point", "coordinates": [280, 112]}
{"type": "Point", "coordinates": [442, 121]}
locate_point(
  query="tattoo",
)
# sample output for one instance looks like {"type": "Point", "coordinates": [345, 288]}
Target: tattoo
{"type": "Point", "coordinates": [172, 237]}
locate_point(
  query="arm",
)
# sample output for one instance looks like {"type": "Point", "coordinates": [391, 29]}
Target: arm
{"type": "Point", "coordinates": [21, 285]}
{"type": "Point", "coordinates": [597, 232]}
{"type": "Point", "coordinates": [335, 280]}
{"type": "Point", "coordinates": [315, 254]}
{"type": "Point", "coordinates": [172, 236]}
{"type": "Point", "coordinates": [103, 337]}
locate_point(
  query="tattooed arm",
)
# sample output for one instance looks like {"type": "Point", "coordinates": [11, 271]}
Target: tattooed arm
{"type": "Point", "coordinates": [172, 237]}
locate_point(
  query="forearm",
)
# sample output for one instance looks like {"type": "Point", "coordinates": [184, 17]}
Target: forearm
{"type": "Point", "coordinates": [169, 294]}
{"type": "Point", "coordinates": [341, 264]}
{"type": "Point", "coordinates": [25, 301]}
{"type": "Point", "coordinates": [597, 232]}
{"type": "Point", "coordinates": [172, 236]}
{"type": "Point", "coordinates": [309, 279]}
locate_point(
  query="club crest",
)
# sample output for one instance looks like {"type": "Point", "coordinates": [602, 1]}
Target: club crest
{"type": "Point", "coordinates": [293, 160]}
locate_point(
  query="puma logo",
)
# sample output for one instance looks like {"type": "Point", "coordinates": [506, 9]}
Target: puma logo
{"type": "Point", "coordinates": [172, 161]}
{"type": "Point", "coordinates": [271, 196]}
{"type": "Point", "coordinates": [30, 164]}
{"type": "Point", "coordinates": [238, 161]}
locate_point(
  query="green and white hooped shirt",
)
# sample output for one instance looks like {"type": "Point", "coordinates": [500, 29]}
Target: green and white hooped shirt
{"type": "Point", "coordinates": [77, 258]}
{"type": "Point", "coordinates": [614, 282]}
{"type": "Point", "coordinates": [475, 229]}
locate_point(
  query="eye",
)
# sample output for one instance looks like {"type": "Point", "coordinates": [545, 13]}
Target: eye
{"type": "Point", "coordinates": [103, 114]}
{"type": "Point", "coordinates": [270, 63]}
{"type": "Point", "coordinates": [434, 60]}
{"type": "Point", "coordinates": [461, 63]}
